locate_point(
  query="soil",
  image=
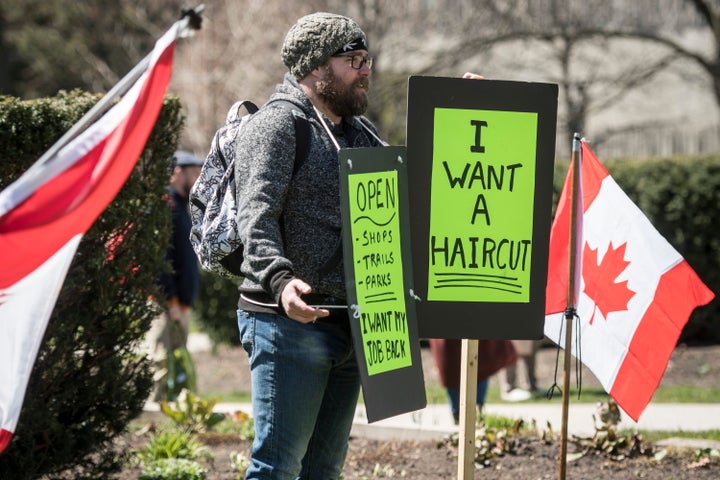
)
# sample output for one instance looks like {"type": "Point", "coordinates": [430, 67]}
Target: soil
{"type": "Point", "coordinates": [532, 458]}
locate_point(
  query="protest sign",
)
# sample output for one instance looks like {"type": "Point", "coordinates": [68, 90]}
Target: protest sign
{"type": "Point", "coordinates": [376, 248]}
{"type": "Point", "coordinates": [481, 156]}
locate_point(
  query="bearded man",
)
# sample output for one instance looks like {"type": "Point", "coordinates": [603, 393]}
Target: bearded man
{"type": "Point", "coordinates": [292, 313]}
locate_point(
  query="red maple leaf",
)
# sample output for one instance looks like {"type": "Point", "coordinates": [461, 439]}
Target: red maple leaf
{"type": "Point", "coordinates": [600, 279]}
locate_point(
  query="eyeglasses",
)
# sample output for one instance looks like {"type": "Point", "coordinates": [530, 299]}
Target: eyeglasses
{"type": "Point", "coordinates": [357, 61]}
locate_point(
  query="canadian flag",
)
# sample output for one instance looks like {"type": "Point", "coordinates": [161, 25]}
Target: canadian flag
{"type": "Point", "coordinates": [44, 214]}
{"type": "Point", "coordinates": [635, 295]}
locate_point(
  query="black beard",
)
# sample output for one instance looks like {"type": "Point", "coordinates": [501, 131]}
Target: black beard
{"type": "Point", "coordinates": [343, 100]}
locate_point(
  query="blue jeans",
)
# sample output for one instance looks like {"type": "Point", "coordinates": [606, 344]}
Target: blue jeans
{"type": "Point", "coordinates": [454, 397]}
{"type": "Point", "coordinates": [305, 386]}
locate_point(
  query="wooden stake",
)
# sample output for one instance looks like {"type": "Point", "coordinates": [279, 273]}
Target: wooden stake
{"type": "Point", "coordinates": [468, 396]}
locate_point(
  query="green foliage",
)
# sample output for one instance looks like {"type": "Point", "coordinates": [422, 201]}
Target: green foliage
{"type": "Point", "coordinates": [180, 374]}
{"type": "Point", "coordinates": [664, 394]}
{"type": "Point", "coordinates": [216, 308]}
{"type": "Point", "coordinates": [171, 444]}
{"type": "Point", "coordinates": [51, 45]}
{"type": "Point", "coordinates": [499, 436]}
{"type": "Point", "coordinates": [240, 462]}
{"type": "Point", "coordinates": [88, 381]}
{"type": "Point", "coordinates": [192, 413]}
{"type": "Point", "coordinates": [706, 452]}
{"type": "Point", "coordinates": [492, 441]}
{"type": "Point", "coordinates": [239, 423]}
{"type": "Point", "coordinates": [680, 196]}
{"type": "Point", "coordinates": [173, 469]}
{"type": "Point", "coordinates": [656, 435]}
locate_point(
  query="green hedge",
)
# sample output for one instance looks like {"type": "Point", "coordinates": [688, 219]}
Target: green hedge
{"type": "Point", "coordinates": [216, 308]}
{"type": "Point", "coordinates": [681, 197]}
{"type": "Point", "coordinates": [88, 381]}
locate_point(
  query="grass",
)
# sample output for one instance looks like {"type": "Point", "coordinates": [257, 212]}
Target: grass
{"type": "Point", "coordinates": [436, 395]}
{"type": "Point", "coordinates": [235, 396]}
{"type": "Point", "coordinates": [671, 394]}
{"type": "Point", "coordinates": [656, 435]}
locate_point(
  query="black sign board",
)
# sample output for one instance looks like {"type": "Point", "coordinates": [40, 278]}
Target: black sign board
{"type": "Point", "coordinates": [378, 275]}
{"type": "Point", "coordinates": [481, 156]}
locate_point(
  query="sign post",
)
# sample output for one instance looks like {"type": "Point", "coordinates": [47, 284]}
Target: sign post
{"type": "Point", "coordinates": [468, 394]}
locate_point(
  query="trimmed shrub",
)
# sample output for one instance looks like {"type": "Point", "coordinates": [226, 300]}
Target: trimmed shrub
{"type": "Point", "coordinates": [88, 381]}
{"type": "Point", "coordinates": [215, 310]}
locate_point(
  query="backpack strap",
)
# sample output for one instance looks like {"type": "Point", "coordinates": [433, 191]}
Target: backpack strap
{"type": "Point", "coordinates": [233, 116]}
{"type": "Point", "coordinates": [234, 111]}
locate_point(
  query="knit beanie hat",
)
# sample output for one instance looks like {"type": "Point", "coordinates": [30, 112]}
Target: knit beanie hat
{"type": "Point", "coordinates": [316, 37]}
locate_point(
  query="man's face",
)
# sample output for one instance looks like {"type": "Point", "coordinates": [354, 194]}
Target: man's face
{"type": "Point", "coordinates": [343, 88]}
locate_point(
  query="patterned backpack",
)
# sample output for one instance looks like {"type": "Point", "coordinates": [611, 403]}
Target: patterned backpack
{"type": "Point", "coordinates": [213, 208]}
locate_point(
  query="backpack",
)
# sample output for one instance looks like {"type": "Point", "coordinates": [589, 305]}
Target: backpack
{"type": "Point", "coordinates": [213, 208]}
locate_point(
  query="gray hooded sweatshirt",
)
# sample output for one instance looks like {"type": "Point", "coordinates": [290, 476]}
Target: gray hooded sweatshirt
{"type": "Point", "coordinates": [290, 212]}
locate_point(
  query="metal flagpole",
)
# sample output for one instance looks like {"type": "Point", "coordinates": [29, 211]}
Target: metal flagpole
{"type": "Point", "coordinates": [468, 396]}
{"type": "Point", "coordinates": [575, 200]}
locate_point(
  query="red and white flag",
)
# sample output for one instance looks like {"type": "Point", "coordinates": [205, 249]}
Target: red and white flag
{"type": "Point", "coordinates": [636, 291]}
{"type": "Point", "coordinates": [45, 213]}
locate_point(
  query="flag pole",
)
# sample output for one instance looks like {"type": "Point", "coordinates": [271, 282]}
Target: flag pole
{"type": "Point", "coordinates": [570, 310]}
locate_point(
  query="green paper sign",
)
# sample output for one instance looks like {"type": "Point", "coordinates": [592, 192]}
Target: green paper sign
{"type": "Point", "coordinates": [377, 259]}
{"type": "Point", "coordinates": [481, 208]}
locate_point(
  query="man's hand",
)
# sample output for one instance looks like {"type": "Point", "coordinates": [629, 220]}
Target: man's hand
{"type": "Point", "coordinates": [473, 76]}
{"type": "Point", "coordinates": [295, 307]}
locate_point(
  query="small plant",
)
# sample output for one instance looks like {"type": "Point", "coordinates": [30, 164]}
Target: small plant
{"type": "Point", "coordinates": [239, 422]}
{"type": "Point", "coordinates": [192, 413]}
{"type": "Point", "coordinates": [171, 444]}
{"type": "Point", "coordinates": [608, 441]}
{"type": "Point", "coordinates": [706, 452]}
{"type": "Point", "coordinates": [240, 463]}
{"type": "Point", "coordinates": [704, 457]}
{"type": "Point", "coordinates": [386, 472]}
{"type": "Point", "coordinates": [492, 441]}
{"type": "Point", "coordinates": [173, 469]}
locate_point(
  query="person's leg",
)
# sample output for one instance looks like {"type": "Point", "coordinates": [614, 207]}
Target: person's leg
{"type": "Point", "coordinates": [530, 364]}
{"type": "Point", "coordinates": [454, 399]}
{"type": "Point", "coordinates": [509, 390]}
{"type": "Point", "coordinates": [524, 349]}
{"type": "Point", "coordinates": [482, 388]}
{"type": "Point", "coordinates": [291, 365]}
{"type": "Point", "coordinates": [156, 344]}
{"type": "Point", "coordinates": [507, 378]}
{"type": "Point", "coordinates": [328, 446]}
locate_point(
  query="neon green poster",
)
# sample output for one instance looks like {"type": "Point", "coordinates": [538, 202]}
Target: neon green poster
{"type": "Point", "coordinates": [377, 261]}
{"type": "Point", "coordinates": [481, 209]}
